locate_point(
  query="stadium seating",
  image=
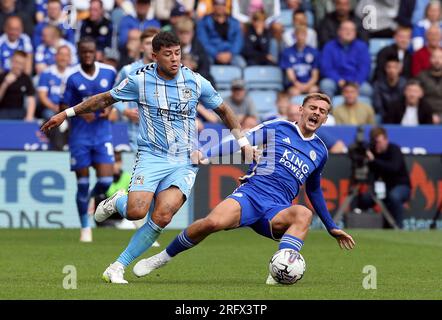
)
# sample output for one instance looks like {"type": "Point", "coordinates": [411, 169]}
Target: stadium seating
{"type": "Point", "coordinates": [265, 102]}
{"type": "Point", "coordinates": [298, 99]}
{"type": "Point", "coordinates": [263, 78]}
{"type": "Point", "coordinates": [224, 75]}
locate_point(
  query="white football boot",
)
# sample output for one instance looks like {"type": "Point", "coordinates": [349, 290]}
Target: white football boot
{"type": "Point", "coordinates": [145, 266]}
{"type": "Point", "coordinates": [107, 207]}
{"type": "Point", "coordinates": [86, 234]}
{"type": "Point", "coordinates": [270, 280]}
{"type": "Point", "coordinates": [114, 274]}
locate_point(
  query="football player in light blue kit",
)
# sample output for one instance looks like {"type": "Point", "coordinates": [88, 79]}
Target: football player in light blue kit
{"type": "Point", "coordinates": [90, 136]}
{"type": "Point", "coordinates": [293, 156]}
{"type": "Point", "coordinates": [167, 94]}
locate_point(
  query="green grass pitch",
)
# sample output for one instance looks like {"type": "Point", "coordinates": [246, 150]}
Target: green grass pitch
{"type": "Point", "coordinates": [227, 265]}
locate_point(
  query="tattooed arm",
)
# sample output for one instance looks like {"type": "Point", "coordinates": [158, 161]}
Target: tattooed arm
{"type": "Point", "coordinates": [94, 103]}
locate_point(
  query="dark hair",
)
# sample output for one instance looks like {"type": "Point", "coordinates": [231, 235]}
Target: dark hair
{"type": "Point", "coordinates": [298, 11]}
{"type": "Point", "coordinates": [392, 58]}
{"type": "Point", "coordinates": [86, 39]}
{"type": "Point", "coordinates": [99, 1]}
{"type": "Point", "coordinates": [377, 131]}
{"type": "Point", "coordinates": [351, 84]}
{"type": "Point", "coordinates": [164, 39]}
{"type": "Point", "coordinates": [20, 53]}
{"type": "Point", "coordinates": [413, 82]}
{"type": "Point", "coordinates": [58, 1]}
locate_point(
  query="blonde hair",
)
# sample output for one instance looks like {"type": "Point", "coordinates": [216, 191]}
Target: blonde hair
{"type": "Point", "coordinates": [315, 97]}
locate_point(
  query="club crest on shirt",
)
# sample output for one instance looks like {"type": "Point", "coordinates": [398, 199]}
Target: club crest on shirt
{"type": "Point", "coordinates": [104, 83]}
{"type": "Point", "coordinates": [313, 155]}
{"type": "Point", "coordinates": [139, 179]}
{"type": "Point", "coordinates": [187, 93]}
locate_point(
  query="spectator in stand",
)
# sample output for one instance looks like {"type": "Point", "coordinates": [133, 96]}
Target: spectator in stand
{"type": "Point", "coordinates": [190, 45]}
{"type": "Point", "coordinates": [400, 49]}
{"type": "Point", "coordinates": [382, 20]}
{"type": "Point", "coordinates": [345, 59]}
{"type": "Point", "coordinates": [329, 25]}
{"type": "Point", "coordinates": [206, 7]}
{"type": "Point", "coordinates": [13, 8]}
{"type": "Point", "coordinates": [177, 13]}
{"type": "Point", "coordinates": [300, 63]}
{"type": "Point", "coordinates": [300, 19]}
{"type": "Point", "coordinates": [98, 27]}
{"type": "Point", "coordinates": [411, 110]}
{"type": "Point", "coordinates": [243, 10]}
{"type": "Point", "coordinates": [221, 36]}
{"type": "Point", "coordinates": [12, 40]}
{"type": "Point", "coordinates": [282, 104]}
{"type": "Point", "coordinates": [132, 49]}
{"type": "Point", "coordinates": [139, 22]}
{"type": "Point", "coordinates": [55, 17]}
{"type": "Point", "coordinates": [421, 58]}
{"type": "Point", "coordinates": [256, 49]}
{"type": "Point", "coordinates": [163, 10]}
{"type": "Point", "coordinates": [241, 104]}
{"type": "Point", "coordinates": [15, 86]}
{"type": "Point", "coordinates": [432, 17]}
{"type": "Point", "coordinates": [41, 9]}
{"type": "Point", "coordinates": [51, 82]}
{"type": "Point", "coordinates": [389, 88]}
{"type": "Point", "coordinates": [46, 51]}
{"type": "Point", "coordinates": [431, 81]}
{"type": "Point", "coordinates": [353, 112]}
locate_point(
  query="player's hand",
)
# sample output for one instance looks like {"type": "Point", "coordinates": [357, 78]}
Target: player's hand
{"type": "Point", "coordinates": [10, 78]}
{"type": "Point", "coordinates": [197, 158]}
{"type": "Point", "coordinates": [344, 239]}
{"type": "Point", "coordinates": [250, 154]}
{"type": "Point", "coordinates": [55, 121]}
{"type": "Point", "coordinates": [105, 112]}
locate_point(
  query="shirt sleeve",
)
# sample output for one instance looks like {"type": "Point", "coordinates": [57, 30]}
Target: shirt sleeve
{"type": "Point", "coordinates": [209, 97]}
{"type": "Point", "coordinates": [43, 82]}
{"type": "Point", "coordinates": [127, 90]}
{"type": "Point", "coordinates": [314, 193]}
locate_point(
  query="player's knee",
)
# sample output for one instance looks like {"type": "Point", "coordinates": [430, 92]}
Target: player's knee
{"type": "Point", "coordinates": [162, 220]}
{"type": "Point", "coordinates": [211, 225]}
{"type": "Point", "coordinates": [303, 215]}
{"type": "Point", "coordinates": [135, 214]}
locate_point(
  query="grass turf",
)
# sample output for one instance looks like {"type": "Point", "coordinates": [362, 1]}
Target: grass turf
{"type": "Point", "coordinates": [227, 265]}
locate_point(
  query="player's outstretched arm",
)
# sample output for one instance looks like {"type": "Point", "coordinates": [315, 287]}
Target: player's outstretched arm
{"type": "Point", "coordinates": [94, 103]}
{"type": "Point", "coordinates": [231, 121]}
{"type": "Point", "coordinates": [344, 239]}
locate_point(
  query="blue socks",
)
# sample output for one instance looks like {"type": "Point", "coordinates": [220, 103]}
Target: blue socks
{"type": "Point", "coordinates": [180, 243]}
{"type": "Point", "coordinates": [102, 185]}
{"type": "Point", "coordinates": [82, 200]}
{"type": "Point", "coordinates": [140, 242]}
{"type": "Point", "coordinates": [121, 205]}
{"type": "Point", "coordinates": [290, 242]}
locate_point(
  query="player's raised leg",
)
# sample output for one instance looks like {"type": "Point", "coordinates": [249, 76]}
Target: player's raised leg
{"type": "Point", "coordinates": [225, 215]}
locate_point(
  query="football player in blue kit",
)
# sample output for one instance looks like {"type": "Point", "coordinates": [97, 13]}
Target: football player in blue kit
{"type": "Point", "coordinates": [293, 155]}
{"type": "Point", "coordinates": [167, 94]}
{"type": "Point", "coordinates": [90, 136]}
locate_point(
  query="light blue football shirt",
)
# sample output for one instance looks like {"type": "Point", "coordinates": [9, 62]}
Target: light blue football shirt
{"type": "Point", "coordinates": [167, 108]}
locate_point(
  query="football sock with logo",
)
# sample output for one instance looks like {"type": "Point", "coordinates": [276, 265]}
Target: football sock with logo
{"type": "Point", "coordinates": [181, 243]}
{"type": "Point", "coordinates": [121, 205]}
{"type": "Point", "coordinates": [140, 242]}
{"type": "Point", "coordinates": [290, 242]}
{"type": "Point", "coordinates": [82, 200]}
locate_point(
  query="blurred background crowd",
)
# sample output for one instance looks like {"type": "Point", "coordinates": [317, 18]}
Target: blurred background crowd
{"type": "Point", "coordinates": [379, 60]}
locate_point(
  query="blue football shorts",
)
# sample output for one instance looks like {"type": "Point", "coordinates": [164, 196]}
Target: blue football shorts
{"type": "Point", "coordinates": [257, 209]}
{"type": "Point", "coordinates": [155, 173]}
{"type": "Point", "coordinates": [85, 155]}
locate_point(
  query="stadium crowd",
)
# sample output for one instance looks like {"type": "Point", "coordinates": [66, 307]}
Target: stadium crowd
{"type": "Point", "coordinates": [380, 60]}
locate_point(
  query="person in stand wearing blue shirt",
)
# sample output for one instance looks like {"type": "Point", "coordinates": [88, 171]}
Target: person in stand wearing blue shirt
{"type": "Point", "coordinates": [55, 17]}
{"type": "Point", "coordinates": [139, 22]}
{"type": "Point", "coordinates": [293, 156]}
{"type": "Point", "coordinates": [90, 138]}
{"type": "Point", "coordinates": [301, 65]}
{"type": "Point", "coordinates": [345, 59]}
{"type": "Point", "coordinates": [221, 36]}
{"type": "Point", "coordinates": [15, 40]}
